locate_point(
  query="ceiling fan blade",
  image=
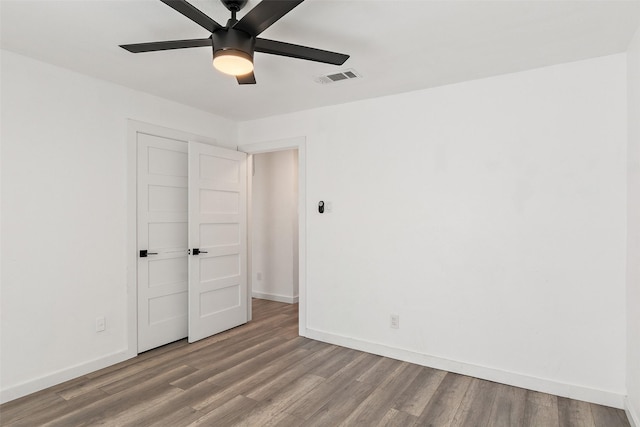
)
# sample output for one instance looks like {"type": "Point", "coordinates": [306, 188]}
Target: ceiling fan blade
{"type": "Point", "coordinates": [247, 79]}
{"type": "Point", "coordinates": [264, 14]}
{"type": "Point", "coordinates": [166, 45]}
{"type": "Point", "coordinates": [194, 14]}
{"type": "Point", "coordinates": [302, 52]}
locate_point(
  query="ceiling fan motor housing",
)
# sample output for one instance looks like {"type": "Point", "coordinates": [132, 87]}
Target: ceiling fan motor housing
{"type": "Point", "coordinates": [229, 39]}
{"type": "Point", "coordinates": [234, 5]}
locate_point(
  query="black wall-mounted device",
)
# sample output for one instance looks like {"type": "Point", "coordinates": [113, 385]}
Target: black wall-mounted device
{"type": "Point", "coordinates": [321, 206]}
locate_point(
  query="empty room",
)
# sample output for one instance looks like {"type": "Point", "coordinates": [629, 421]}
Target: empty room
{"type": "Point", "coordinates": [320, 213]}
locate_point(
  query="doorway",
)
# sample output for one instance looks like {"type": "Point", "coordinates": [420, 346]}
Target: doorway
{"type": "Point", "coordinates": [297, 144]}
{"type": "Point", "coordinates": [274, 225]}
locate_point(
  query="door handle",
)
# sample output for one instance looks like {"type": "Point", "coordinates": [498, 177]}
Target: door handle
{"type": "Point", "coordinates": [144, 253]}
{"type": "Point", "coordinates": [197, 251]}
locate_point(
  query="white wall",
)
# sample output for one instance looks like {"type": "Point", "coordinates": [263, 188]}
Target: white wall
{"type": "Point", "coordinates": [275, 226]}
{"type": "Point", "coordinates": [64, 210]}
{"type": "Point", "coordinates": [633, 224]}
{"type": "Point", "coordinates": [490, 215]}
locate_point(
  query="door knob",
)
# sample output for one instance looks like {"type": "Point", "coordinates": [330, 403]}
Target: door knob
{"type": "Point", "coordinates": [197, 251]}
{"type": "Point", "coordinates": [144, 253]}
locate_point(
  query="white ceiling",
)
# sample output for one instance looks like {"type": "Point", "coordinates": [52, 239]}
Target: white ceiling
{"type": "Point", "coordinates": [397, 46]}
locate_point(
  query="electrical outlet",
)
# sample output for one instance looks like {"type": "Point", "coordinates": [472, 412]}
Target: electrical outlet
{"type": "Point", "coordinates": [100, 324]}
{"type": "Point", "coordinates": [395, 321]}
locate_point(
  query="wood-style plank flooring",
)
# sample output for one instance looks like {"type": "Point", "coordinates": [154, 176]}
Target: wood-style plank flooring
{"type": "Point", "coordinates": [264, 374]}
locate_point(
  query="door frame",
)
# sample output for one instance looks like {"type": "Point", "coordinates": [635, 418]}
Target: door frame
{"type": "Point", "coordinates": [300, 144]}
{"type": "Point", "coordinates": [131, 251]}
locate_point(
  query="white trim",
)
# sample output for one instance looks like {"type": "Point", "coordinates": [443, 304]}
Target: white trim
{"type": "Point", "coordinates": [300, 144]}
{"type": "Point", "coordinates": [572, 391]}
{"type": "Point", "coordinates": [632, 415]}
{"type": "Point", "coordinates": [58, 377]}
{"type": "Point", "coordinates": [249, 237]}
{"type": "Point", "coordinates": [275, 297]}
{"type": "Point", "coordinates": [132, 237]}
{"type": "Point", "coordinates": [133, 128]}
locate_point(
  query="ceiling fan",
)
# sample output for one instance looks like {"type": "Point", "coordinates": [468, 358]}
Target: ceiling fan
{"type": "Point", "coordinates": [234, 44]}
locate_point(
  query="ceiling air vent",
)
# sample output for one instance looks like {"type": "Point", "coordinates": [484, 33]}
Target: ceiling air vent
{"type": "Point", "coordinates": [339, 76]}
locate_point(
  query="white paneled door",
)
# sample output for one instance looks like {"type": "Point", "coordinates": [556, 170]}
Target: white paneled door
{"type": "Point", "coordinates": [162, 241]}
{"type": "Point", "coordinates": [192, 214]}
{"type": "Point", "coordinates": [217, 238]}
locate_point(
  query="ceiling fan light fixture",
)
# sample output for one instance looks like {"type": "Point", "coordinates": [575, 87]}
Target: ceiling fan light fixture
{"type": "Point", "coordinates": [233, 62]}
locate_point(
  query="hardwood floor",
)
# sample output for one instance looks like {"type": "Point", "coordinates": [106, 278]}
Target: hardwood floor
{"type": "Point", "coordinates": [263, 374]}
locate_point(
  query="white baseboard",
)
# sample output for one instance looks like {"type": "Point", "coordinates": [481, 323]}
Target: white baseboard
{"type": "Point", "coordinates": [275, 297]}
{"type": "Point", "coordinates": [602, 397]}
{"type": "Point", "coordinates": [61, 376]}
{"type": "Point", "coordinates": [632, 414]}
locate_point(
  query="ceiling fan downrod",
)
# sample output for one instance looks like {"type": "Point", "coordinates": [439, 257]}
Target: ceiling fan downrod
{"type": "Point", "coordinates": [234, 6]}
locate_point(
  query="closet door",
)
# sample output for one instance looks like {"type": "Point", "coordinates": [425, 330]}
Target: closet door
{"type": "Point", "coordinates": [162, 241]}
{"type": "Point", "coordinates": [217, 240]}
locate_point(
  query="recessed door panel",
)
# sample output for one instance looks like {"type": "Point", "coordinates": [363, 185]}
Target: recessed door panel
{"type": "Point", "coordinates": [162, 158]}
{"type": "Point", "coordinates": [219, 300]}
{"type": "Point", "coordinates": [167, 199]}
{"type": "Point", "coordinates": [167, 271]}
{"type": "Point", "coordinates": [219, 169]}
{"type": "Point", "coordinates": [168, 308]}
{"type": "Point", "coordinates": [212, 235]}
{"type": "Point", "coordinates": [220, 267]}
{"type": "Point", "coordinates": [166, 235]}
{"type": "Point", "coordinates": [219, 202]}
